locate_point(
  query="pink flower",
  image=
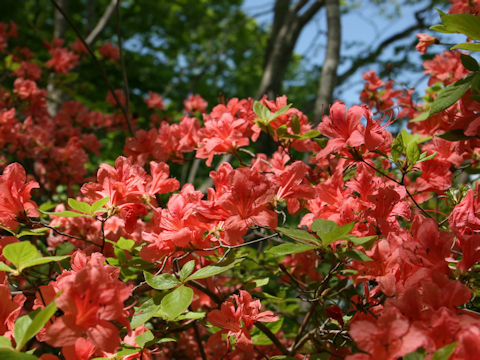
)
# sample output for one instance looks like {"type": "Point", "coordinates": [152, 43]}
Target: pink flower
{"type": "Point", "coordinates": [424, 41]}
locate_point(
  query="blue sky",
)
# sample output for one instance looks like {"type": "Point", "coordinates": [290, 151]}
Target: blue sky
{"type": "Point", "coordinates": [362, 28]}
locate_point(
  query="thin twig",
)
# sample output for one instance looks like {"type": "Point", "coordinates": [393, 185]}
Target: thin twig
{"type": "Point", "coordinates": [97, 64]}
{"type": "Point", "coordinates": [199, 341]}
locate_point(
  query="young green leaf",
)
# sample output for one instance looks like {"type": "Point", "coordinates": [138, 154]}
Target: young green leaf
{"type": "Point", "coordinates": [290, 248]}
{"type": "Point", "coordinates": [175, 303]}
{"type": "Point", "coordinates": [41, 261]}
{"type": "Point", "coordinates": [413, 153]}
{"type": "Point", "coordinates": [80, 206]}
{"type": "Point", "coordinates": [8, 354]}
{"type": "Point", "coordinates": [445, 352]}
{"type": "Point", "coordinates": [281, 111]}
{"type": "Point", "coordinates": [145, 312]}
{"type": "Point", "coordinates": [6, 268]}
{"type": "Point", "coordinates": [459, 23]}
{"type": "Point", "coordinates": [29, 325]}
{"type": "Point", "coordinates": [144, 338]}
{"type": "Point", "coordinates": [398, 148]}
{"type": "Point", "coordinates": [322, 226]}
{"type": "Point", "coordinates": [337, 234]}
{"type": "Point", "coordinates": [212, 270]}
{"type": "Point", "coordinates": [450, 95]}
{"type": "Point", "coordinates": [422, 117]}
{"type": "Point", "coordinates": [366, 242]}
{"type": "Point", "coordinates": [357, 255]}
{"type": "Point", "coordinates": [161, 282]}
{"type": "Point", "coordinates": [67, 213]}
{"type": "Point", "coordinates": [187, 270]}
{"type": "Point", "coordinates": [467, 46]}
{"type": "Point", "coordinates": [299, 235]}
{"type": "Point", "coordinates": [98, 205]}
{"type": "Point", "coordinates": [5, 342]}
{"type": "Point", "coordinates": [19, 253]}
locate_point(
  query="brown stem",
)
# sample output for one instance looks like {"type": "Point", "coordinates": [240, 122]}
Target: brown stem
{"type": "Point", "coordinates": [97, 63]}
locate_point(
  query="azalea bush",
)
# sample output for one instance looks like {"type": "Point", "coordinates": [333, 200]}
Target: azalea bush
{"type": "Point", "coordinates": [349, 241]}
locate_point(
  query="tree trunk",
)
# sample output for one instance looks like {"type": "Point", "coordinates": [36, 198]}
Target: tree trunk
{"type": "Point", "coordinates": [328, 76]}
{"type": "Point", "coordinates": [288, 23]}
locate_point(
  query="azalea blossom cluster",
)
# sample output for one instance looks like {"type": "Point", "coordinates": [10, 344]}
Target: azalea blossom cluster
{"type": "Point", "coordinates": [366, 248]}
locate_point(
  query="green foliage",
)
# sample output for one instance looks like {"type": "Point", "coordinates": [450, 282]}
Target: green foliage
{"type": "Point", "coordinates": [176, 302]}
{"type": "Point", "coordinates": [26, 327]}
{"type": "Point", "coordinates": [24, 255]}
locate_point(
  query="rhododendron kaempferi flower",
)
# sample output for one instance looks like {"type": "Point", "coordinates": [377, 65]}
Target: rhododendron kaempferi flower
{"type": "Point", "coordinates": [130, 188]}
{"type": "Point", "coordinates": [154, 101]}
{"type": "Point", "coordinates": [15, 203]}
{"type": "Point", "coordinates": [195, 103]}
{"type": "Point", "coordinates": [238, 320]}
{"type": "Point", "coordinates": [424, 41]}
{"type": "Point", "coordinates": [92, 298]}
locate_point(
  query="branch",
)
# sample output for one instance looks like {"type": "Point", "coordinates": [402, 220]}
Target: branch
{"type": "Point", "coordinates": [374, 54]}
{"type": "Point", "coordinates": [310, 13]}
{"type": "Point", "coordinates": [101, 23]}
{"type": "Point", "coordinates": [272, 337]}
{"type": "Point", "coordinates": [97, 63]}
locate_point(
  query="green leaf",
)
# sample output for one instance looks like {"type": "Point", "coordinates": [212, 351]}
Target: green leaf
{"type": "Point", "coordinates": [337, 234]}
{"type": "Point", "coordinates": [6, 268]}
{"type": "Point", "coordinates": [413, 153]}
{"type": "Point", "coordinates": [398, 148]}
{"type": "Point", "coordinates": [164, 340]}
{"type": "Point", "coordinates": [469, 62]}
{"type": "Point", "coordinates": [450, 95]}
{"type": "Point", "coordinates": [322, 226]}
{"type": "Point", "coordinates": [357, 255]}
{"type": "Point", "coordinates": [455, 135]}
{"type": "Point", "coordinates": [80, 206]}
{"type": "Point", "coordinates": [5, 342]}
{"type": "Point", "coordinates": [144, 313]}
{"type": "Point", "coordinates": [299, 235]}
{"type": "Point", "coordinates": [192, 315]}
{"type": "Point", "coordinates": [257, 283]}
{"type": "Point", "coordinates": [467, 46]}
{"type": "Point", "coordinates": [161, 282]}
{"type": "Point", "coordinates": [422, 117]}
{"type": "Point", "coordinates": [67, 213]}
{"type": "Point", "coordinates": [125, 244]}
{"type": "Point", "coordinates": [281, 111]}
{"type": "Point", "coordinates": [460, 23]}
{"type": "Point", "coordinates": [175, 303]}
{"type": "Point", "coordinates": [290, 248]}
{"type": "Point", "coordinates": [29, 325]}
{"type": "Point", "coordinates": [187, 270]}
{"type": "Point", "coordinates": [262, 112]}
{"type": "Point", "coordinates": [98, 205]}
{"type": "Point", "coordinates": [295, 124]}
{"type": "Point", "coordinates": [212, 270]}
{"type": "Point", "coordinates": [416, 355]}
{"type": "Point", "coordinates": [7, 354]}
{"type": "Point", "coordinates": [445, 352]}
{"type": "Point", "coordinates": [42, 260]}
{"type": "Point", "coordinates": [144, 338]}
{"type": "Point", "coordinates": [426, 158]}
{"type": "Point", "coordinates": [34, 232]}
{"type": "Point", "coordinates": [20, 253]}
{"type": "Point", "coordinates": [309, 134]}
{"type": "Point", "coordinates": [366, 242]}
